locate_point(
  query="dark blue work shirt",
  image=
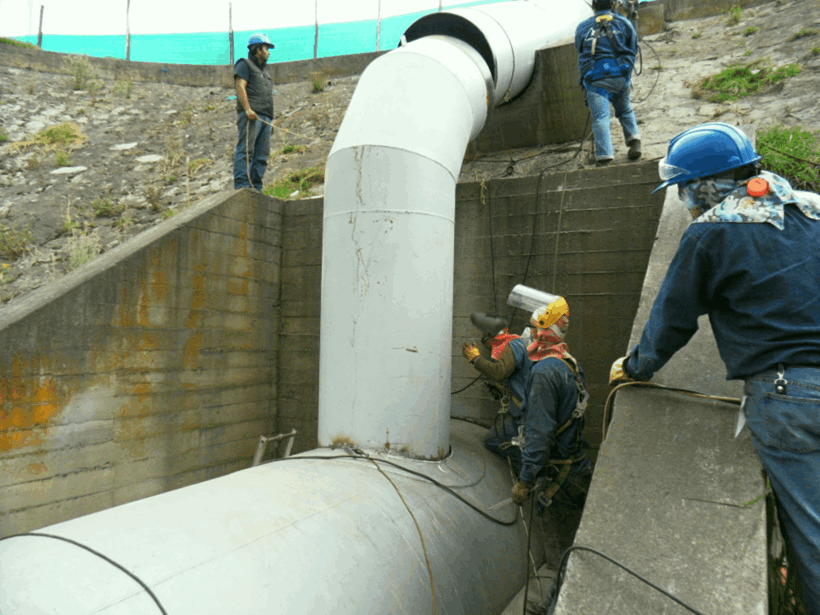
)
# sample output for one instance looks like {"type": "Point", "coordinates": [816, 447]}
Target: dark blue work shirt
{"type": "Point", "coordinates": [759, 285]}
{"type": "Point", "coordinates": [549, 394]}
{"type": "Point", "coordinates": [626, 48]}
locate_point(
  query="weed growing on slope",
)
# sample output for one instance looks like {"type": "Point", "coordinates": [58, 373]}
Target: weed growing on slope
{"type": "Point", "coordinates": [83, 246]}
{"type": "Point", "coordinates": [297, 183]}
{"type": "Point", "coordinates": [63, 136]}
{"type": "Point", "coordinates": [14, 243]}
{"type": "Point", "coordinates": [750, 30]}
{"type": "Point", "coordinates": [5, 274]}
{"type": "Point", "coordinates": [735, 15]}
{"type": "Point", "coordinates": [3, 135]}
{"type": "Point", "coordinates": [743, 80]}
{"type": "Point", "coordinates": [80, 69]}
{"type": "Point", "coordinates": [804, 33]}
{"type": "Point", "coordinates": [16, 43]}
{"type": "Point", "coordinates": [123, 87]}
{"type": "Point", "coordinates": [793, 153]}
{"type": "Point", "coordinates": [105, 208]}
{"type": "Point", "coordinates": [61, 157]}
{"type": "Point", "coordinates": [319, 82]}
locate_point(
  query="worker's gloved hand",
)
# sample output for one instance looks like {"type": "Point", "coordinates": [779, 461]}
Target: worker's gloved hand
{"type": "Point", "coordinates": [470, 351]}
{"type": "Point", "coordinates": [617, 373]}
{"type": "Point", "coordinates": [520, 493]}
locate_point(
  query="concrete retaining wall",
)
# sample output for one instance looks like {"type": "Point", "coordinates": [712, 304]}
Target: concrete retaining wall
{"type": "Point", "coordinates": [602, 223]}
{"type": "Point", "coordinates": [181, 74]}
{"type": "Point", "coordinates": [151, 368]}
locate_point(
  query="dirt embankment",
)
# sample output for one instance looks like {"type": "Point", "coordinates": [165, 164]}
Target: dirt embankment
{"type": "Point", "coordinates": [149, 150]}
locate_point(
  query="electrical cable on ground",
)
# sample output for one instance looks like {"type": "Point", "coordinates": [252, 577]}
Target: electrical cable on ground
{"type": "Point", "coordinates": [564, 559]}
{"type": "Point", "coordinates": [98, 554]}
{"type": "Point", "coordinates": [418, 529]}
{"type": "Point", "coordinates": [409, 471]}
{"type": "Point", "coordinates": [610, 398]}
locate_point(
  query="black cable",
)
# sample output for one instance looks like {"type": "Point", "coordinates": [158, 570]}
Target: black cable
{"type": "Point", "coordinates": [565, 556]}
{"type": "Point", "coordinates": [467, 387]}
{"type": "Point", "coordinates": [98, 554]}
{"type": "Point", "coordinates": [409, 471]}
{"type": "Point", "coordinates": [527, 555]}
{"type": "Point", "coordinates": [657, 75]}
{"type": "Point", "coordinates": [467, 419]}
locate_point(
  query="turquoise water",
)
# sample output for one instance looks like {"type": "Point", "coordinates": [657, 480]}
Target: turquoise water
{"type": "Point", "coordinates": [214, 47]}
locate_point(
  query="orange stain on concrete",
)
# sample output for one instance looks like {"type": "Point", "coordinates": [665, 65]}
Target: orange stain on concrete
{"type": "Point", "coordinates": [145, 303]}
{"type": "Point", "coordinates": [192, 348]}
{"type": "Point", "coordinates": [198, 300]}
{"type": "Point", "coordinates": [37, 468]}
{"type": "Point", "coordinates": [26, 403]}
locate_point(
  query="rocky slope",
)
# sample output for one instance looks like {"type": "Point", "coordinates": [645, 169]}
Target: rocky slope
{"type": "Point", "coordinates": [146, 150]}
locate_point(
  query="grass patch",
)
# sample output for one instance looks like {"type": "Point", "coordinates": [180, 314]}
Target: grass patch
{"type": "Point", "coordinates": [792, 152]}
{"type": "Point", "coordinates": [196, 165]}
{"type": "Point", "coordinates": [5, 274]}
{"type": "Point", "coordinates": [319, 82]}
{"type": "Point", "coordinates": [805, 33]}
{"type": "Point", "coordinates": [14, 243]}
{"type": "Point", "coordinates": [16, 43]}
{"type": "Point", "coordinates": [123, 87]}
{"type": "Point", "coordinates": [750, 30]}
{"type": "Point", "coordinates": [291, 149]}
{"type": "Point", "coordinates": [80, 69]}
{"type": "Point", "coordinates": [61, 157]}
{"type": "Point", "coordinates": [3, 135]}
{"type": "Point", "coordinates": [105, 208]}
{"type": "Point", "coordinates": [296, 184]}
{"type": "Point", "coordinates": [63, 136]}
{"type": "Point", "coordinates": [735, 15]}
{"type": "Point", "coordinates": [697, 35]}
{"type": "Point", "coordinates": [743, 80]}
{"type": "Point", "coordinates": [83, 246]}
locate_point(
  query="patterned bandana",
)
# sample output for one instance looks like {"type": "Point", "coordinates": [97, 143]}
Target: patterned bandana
{"type": "Point", "coordinates": [738, 206]}
{"type": "Point", "coordinates": [500, 342]}
{"type": "Point", "coordinates": [701, 196]}
{"type": "Point", "coordinates": [550, 342]}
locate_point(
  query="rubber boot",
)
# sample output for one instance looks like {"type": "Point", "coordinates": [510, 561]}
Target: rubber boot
{"type": "Point", "coordinates": [634, 149]}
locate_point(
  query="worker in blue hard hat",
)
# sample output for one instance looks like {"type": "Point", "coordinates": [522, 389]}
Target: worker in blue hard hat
{"type": "Point", "coordinates": [751, 261]}
{"type": "Point", "coordinates": [607, 45]}
{"type": "Point", "coordinates": [254, 108]}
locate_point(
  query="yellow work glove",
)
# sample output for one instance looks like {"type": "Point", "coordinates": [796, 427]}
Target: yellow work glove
{"type": "Point", "coordinates": [617, 374]}
{"type": "Point", "coordinates": [470, 351]}
{"type": "Point", "coordinates": [520, 493]}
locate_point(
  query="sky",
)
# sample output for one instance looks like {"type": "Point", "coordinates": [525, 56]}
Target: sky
{"type": "Point", "coordinates": [21, 17]}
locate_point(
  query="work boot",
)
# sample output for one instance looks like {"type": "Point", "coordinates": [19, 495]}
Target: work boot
{"type": "Point", "coordinates": [634, 149]}
{"type": "Point", "coordinates": [489, 325]}
{"type": "Point", "coordinates": [603, 162]}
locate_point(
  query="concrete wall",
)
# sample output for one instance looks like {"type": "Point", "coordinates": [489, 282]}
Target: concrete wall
{"type": "Point", "coordinates": [602, 223]}
{"type": "Point", "coordinates": [675, 10]}
{"type": "Point", "coordinates": [181, 74]}
{"type": "Point", "coordinates": [151, 368]}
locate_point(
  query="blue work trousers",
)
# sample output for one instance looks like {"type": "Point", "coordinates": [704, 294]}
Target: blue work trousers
{"type": "Point", "coordinates": [252, 152]}
{"type": "Point", "coordinates": [618, 88]}
{"type": "Point", "coordinates": [786, 433]}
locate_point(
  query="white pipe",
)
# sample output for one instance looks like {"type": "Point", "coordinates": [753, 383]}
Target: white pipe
{"type": "Point", "coordinates": [388, 237]}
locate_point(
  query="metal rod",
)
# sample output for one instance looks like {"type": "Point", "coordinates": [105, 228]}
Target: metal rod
{"type": "Point", "coordinates": [316, 37]}
{"type": "Point", "coordinates": [128, 30]}
{"type": "Point", "coordinates": [379, 28]}
{"type": "Point", "coordinates": [230, 30]}
{"type": "Point", "coordinates": [40, 31]}
{"type": "Point", "coordinates": [263, 444]}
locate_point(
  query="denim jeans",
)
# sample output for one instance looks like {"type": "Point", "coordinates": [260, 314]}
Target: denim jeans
{"type": "Point", "coordinates": [252, 152]}
{"type": "Point", "coordinates": [786, 434]}
{"type": "Point", "coordinates": [601, 118]}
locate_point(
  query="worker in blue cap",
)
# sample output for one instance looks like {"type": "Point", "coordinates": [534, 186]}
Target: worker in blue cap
{"type": "Point", "coordinates": [254, 107]}
{"type": "Point", "coordinates": [751, 261]}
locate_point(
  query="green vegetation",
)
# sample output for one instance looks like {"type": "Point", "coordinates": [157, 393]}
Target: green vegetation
{"type": "Point", "coordinates": [697, 35]}
{"type": "Point", "coordinates": [80, 68]}
{"type": "Point", "coordinates": [197, 164]}
{"type": "Point", "coordinates": [802, 34]}
{"type": "Point", "coordinates": [5, 274]}
{"type": "Point", "coordinates": [815, 51]}
{"type": "Point", "coordinates": [735, 15]}
{"type": "Point", "coordinates": [296, 183]}
{"type": "Point", "coordinates": [16, 43]}
{"type": "Point", "coordinates": [82, 247]}
{"type": "Point", "coordinates": [14, 243]}
{"type": "Point", "coordinates": [123, 87]}
{"type": "Point", "coordinates": [61, 156]}
{"type": "Point", "coordinates": [104, 208]}
{"type": "Point", "coordinates": [793, 153]}
{"type": "Point", "coordinates": [319, 82]}
{"type": "Point", "coordinates": [63, 136]}
{"type": "Point", "coordinates": [750, 30]}
{"type": "Point", "coordinates": [747, 53]}
{"type": "Point", "coordinates": [3, 135]}
{"type": "Point", "coordinates": [291, 149]}
{"type": "Point", "coordinates": [739, 80]}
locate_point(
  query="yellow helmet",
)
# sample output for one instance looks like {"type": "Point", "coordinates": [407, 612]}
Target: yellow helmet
{"type": "Point", "coordinates": [547, 315]}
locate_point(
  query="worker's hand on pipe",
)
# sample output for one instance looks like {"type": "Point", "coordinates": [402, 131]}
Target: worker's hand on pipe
{"type": "Point", "coordinates": [251, 115]}
{"type": "Point", "coordinates": [470, 351]}
{"type": "Point", "coordinates": [617, 373]}
{"type": "Point", "coordinates": [520, 493]}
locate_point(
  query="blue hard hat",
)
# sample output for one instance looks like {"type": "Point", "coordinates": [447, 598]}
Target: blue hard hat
{"type": "Point", "coordinates": [703, 151]}
{"type": "Point", "coordinates": [260, 38]}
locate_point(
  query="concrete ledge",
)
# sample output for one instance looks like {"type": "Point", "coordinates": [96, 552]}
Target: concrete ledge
{"type": "Point", "coordinates": [181, 74]}
{"type": "Point", "coordinates": [671, 487]}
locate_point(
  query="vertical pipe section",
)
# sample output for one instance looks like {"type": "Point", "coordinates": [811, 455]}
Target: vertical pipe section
{"type": "Point", "coordinates": [387, 252]}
